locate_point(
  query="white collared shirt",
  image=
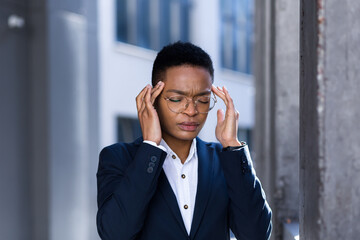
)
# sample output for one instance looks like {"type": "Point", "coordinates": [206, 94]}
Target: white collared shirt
{"type": "Point", "coordinates": [183, 179]}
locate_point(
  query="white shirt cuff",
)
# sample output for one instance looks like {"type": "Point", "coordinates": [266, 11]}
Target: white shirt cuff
{"type": "Point", "coordinates": [155, 145]}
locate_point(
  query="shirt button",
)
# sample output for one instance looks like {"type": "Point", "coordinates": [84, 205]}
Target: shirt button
{"type": "Point", "coordinates": [186, 206]}
{"type": "Point", "coordinates": [183, 176]}
{"type": "Point", "coordinates": [173, 156]}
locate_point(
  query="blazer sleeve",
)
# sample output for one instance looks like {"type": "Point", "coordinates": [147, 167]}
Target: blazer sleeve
{"type": "Point", "coordinates": [249, 212]}
{"type": "Point", "coordinates": [126, 183]}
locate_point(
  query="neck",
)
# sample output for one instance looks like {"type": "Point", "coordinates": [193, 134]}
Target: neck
{"type": "Point", "coordinates": [180, 147]}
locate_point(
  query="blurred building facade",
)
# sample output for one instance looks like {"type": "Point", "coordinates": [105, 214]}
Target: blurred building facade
{"type": "Point", "coordinates": [70, 71]}
{"type": "Point", "coordinates": [329, 115]}
{"type": "Point", "coordinates": [49, 119]}
{"type": "Point", "coordinates": [131, 33]}
{"type": "Point", "coordinates": [276, 136]}
{"type": "Point", "coordinates": [306, 138]}
{"type": "Point", "coordinates": [69, 74]}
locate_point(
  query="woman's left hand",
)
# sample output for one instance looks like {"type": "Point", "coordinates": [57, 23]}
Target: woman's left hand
{"type": "Point", "coordinates": [227, 124]}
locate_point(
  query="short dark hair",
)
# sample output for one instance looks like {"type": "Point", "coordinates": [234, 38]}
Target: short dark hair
{"type": "Point", "coordinates": [177, 54]}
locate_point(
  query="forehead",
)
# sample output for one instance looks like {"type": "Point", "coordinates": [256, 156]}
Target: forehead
{"type": "Point", "coordinates": [188, 79]}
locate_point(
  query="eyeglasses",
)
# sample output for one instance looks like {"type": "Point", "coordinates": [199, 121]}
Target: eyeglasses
{"type": "Point", "coordinates": [179, 103]}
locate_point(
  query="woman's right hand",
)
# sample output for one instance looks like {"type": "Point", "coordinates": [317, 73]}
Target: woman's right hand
{"type": "Point", "coordinates": [148, 117]}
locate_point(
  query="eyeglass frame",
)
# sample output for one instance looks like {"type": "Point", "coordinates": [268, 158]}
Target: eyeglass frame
{"type": "Point", "coordinates": [194, 101]}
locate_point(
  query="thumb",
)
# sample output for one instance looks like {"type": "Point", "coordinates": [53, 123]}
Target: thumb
{"type": "Point", "coordinates": [220, 116]}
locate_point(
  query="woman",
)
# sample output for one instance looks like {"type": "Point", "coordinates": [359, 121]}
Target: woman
{"type": "Point", "coordinates": [169, 184]}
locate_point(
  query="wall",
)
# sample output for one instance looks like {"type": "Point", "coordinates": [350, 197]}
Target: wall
{"type": "Point", "coordinates": [14, 124]}
{"type": "Point", "coordinates": [49, 122]}
{"type": "Point", "coordinates": [126, 69]}
{"type": "Point", "coordinates": [329, 84]}
{"type": "Point", "coordinates": [277, 107]}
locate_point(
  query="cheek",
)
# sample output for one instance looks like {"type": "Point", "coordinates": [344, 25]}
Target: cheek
{"type": "Point", "coordinates": [203, 118]}
{"type": "Point", "coordinates": [165, 115]}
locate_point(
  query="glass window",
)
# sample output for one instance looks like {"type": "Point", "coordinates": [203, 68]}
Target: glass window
{"type": "Point", "coordinates": [152, 24]}
{"type": "Point", "coordinates": [244, 134]}
{"type": "Point", "coordinates": [237, 35]}
{"type": "Point", "coordinates": [128, 129]}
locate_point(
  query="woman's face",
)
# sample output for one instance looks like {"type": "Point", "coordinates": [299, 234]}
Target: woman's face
{"type": "Point", "coordinates": [188, 81]}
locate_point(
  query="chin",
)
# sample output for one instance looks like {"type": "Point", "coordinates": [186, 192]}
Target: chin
{"type": "Point", "coordinates": [188, 138]}
{"type": "Point", "coordinates": [183, 135]}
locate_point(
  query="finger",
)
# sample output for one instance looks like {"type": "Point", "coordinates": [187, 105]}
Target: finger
{"type": "Point", "coordinates": [221, 90]}
{"type": "Point", "coordinates": [218, 90]}
{"type": "Point", "coordinates": [142, 92]}
{"type": "Point", "coordinates": [142, 104]}
{"type": "Point", "coordinates": [226, 92]}
{"type": "Point", "coordinates": [220, 95]}
{"type": "Point", "coordinates": [220, 116]}
{"type": "Point", "coordinates": [230, 101]}
{"type": "Point", "coordinates": [154, 88]}
{"type": "Point", "coordinates": [157, 91]}
{"type": "Point", "coordinates": [146, 94]}
{"type": "Point", "coordinates": [140, 97]}
{"type": "Point", "coordinates": [147, 99]}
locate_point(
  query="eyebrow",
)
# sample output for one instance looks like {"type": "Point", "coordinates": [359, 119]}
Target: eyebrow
{"type": "Point", "coordinates": [187, 93]}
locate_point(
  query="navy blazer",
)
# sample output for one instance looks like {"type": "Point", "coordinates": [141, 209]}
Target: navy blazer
{"type": "Point", "coordinates": [136, 201]}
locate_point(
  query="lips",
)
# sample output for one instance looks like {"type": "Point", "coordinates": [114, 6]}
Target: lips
{"type": "Point", "coordinates": [188, 126]}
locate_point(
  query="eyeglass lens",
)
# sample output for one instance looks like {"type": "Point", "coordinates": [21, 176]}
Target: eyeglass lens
{"type": "Point", "coordinates": [180, 103]}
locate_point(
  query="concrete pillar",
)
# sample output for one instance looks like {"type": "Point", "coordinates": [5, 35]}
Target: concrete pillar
{"type": "Point", "coordinates": [329, 115]}
{"type": "Point", "coordinates": [49, 120]}
{"type": "Point", "coordinates": [39, 143]}
{"type": "Point", "coordinates": [276, 130]}
{"type": "Point", "coordinates": [73, 123]}
{"type": "Point", "coordinates": [15, 214]}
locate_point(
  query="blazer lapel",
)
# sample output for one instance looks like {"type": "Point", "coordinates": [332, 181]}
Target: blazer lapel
{"type": "Point", "coordinates": [205, 173]}
{"type": "Point", "coordinates": [170, 199]}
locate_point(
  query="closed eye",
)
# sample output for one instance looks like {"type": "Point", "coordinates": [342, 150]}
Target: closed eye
{"type": "Point", "coordinates": [176, 99]}
{"type": "Point", "coordinates": [204, 100]}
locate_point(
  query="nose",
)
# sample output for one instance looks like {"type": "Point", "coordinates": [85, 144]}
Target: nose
{"type": "Point", "coordinates": [190, 109]}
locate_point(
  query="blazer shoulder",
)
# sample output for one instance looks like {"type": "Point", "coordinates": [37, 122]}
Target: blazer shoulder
{"type": "Point", "coordinates": [215, 145]}
{"type": "Point", "coordinates": [121, 149]}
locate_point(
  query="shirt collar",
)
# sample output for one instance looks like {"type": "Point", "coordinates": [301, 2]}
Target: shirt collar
{"type": "Point", "coordinates": [170, 152]}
